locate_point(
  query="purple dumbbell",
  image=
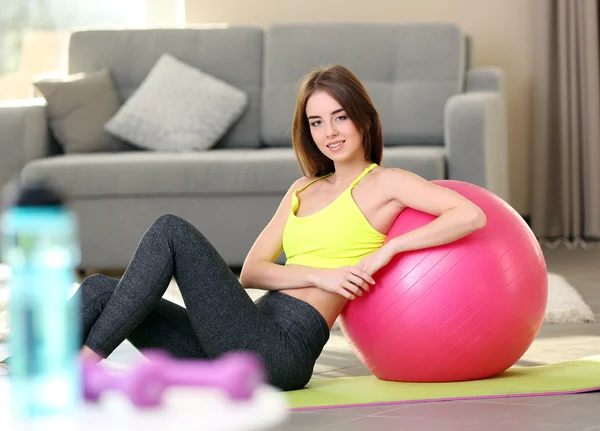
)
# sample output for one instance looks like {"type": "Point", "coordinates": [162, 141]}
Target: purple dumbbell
{"type": "Point", "coordinates": [238, 374]}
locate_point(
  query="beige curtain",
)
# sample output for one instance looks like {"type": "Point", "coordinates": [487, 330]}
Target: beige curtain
{"type": "Point", "coordinates": [565, 120]}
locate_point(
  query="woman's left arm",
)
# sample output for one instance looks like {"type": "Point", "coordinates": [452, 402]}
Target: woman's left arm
{"type": "Point", "coordinates": [456, 216]}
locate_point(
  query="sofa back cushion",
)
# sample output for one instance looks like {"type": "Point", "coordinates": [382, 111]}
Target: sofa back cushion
{"type": "Point", "coordinates": [409, 69]}
{"type": "Point", "coordinates": [232, 54]}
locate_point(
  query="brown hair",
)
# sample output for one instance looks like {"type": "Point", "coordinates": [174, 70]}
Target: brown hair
{"type": "Point", "coordinates": [346, 88]}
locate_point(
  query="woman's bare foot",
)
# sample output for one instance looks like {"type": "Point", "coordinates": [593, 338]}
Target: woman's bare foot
{"type": "Point", "coordinates": [88, 354]}
{"type": "Point", "coordinates": [3, 369]}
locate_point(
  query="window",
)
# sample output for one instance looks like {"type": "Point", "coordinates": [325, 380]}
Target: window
{"type": "Point", "coordinates": [34, 33]}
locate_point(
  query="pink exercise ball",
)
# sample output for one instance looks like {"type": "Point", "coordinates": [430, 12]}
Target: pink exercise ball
{"type": "Point", "coordinates": [462, 311]}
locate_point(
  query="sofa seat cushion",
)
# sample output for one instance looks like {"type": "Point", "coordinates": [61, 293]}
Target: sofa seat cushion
{"type": "Point", "coordinates": [214, 172]}
{"type": "Point", "coordinates": [220, 171]}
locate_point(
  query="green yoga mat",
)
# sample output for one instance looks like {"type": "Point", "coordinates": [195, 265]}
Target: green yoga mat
{"type": "Point", "coordinates": [571, 377]}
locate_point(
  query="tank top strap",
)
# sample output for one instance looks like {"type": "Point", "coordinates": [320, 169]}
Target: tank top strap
{"type": "Point", "coordinates": [312, 181]}
{"type": "Point", "coordinates": [360, 177]}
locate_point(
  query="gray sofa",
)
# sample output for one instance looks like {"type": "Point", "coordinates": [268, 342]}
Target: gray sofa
{"type": "Point", "coordinates": [442, 119]}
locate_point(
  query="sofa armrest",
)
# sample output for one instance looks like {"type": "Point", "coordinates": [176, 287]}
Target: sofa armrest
{"type": "Point", "coordinates": [476, 140]}
{"type": "Point", "coordinates": [485, 79]}
{"type": "Point", "coordinates": [23, 136]}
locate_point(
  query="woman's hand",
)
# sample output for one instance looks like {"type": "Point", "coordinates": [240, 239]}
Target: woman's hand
{"type": "Point", "coordinates": [376, 260]}
{"type": "Point", "coordinates": [347, 281]}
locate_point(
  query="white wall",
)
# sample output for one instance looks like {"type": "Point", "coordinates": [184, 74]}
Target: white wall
{"type": "Point", "coordinates": [165, 13]}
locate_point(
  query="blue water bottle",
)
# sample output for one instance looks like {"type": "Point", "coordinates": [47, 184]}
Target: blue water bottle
{"type": "Point", "coordinates": [40, 243]}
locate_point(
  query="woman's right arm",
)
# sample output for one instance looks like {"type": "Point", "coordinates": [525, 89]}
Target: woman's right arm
{"type": "Point", "coordinates": [261, 272]}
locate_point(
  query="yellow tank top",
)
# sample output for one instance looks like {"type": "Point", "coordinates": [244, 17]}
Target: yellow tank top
{"type": "Point", "coordinates": [336, 236]}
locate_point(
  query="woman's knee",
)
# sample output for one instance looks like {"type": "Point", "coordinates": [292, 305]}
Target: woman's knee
{"type": "Point", "coordinates": [171, 224]}
{"type": "Point", "coordinates": [168, 220]}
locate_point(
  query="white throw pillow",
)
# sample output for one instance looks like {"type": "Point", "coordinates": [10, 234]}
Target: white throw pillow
{"type": "Point", "coordinates": [178, 108]}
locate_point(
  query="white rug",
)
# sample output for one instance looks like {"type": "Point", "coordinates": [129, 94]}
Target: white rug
{"type": "Point", "coordinates": [565, 304]}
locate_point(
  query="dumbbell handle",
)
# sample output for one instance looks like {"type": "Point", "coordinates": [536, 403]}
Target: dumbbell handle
{"type": "Point", "coordinates": [192, 374]}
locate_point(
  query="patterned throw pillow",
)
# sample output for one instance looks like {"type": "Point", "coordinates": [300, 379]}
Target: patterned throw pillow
{"type": "Point", "coordinates": [178, 108]}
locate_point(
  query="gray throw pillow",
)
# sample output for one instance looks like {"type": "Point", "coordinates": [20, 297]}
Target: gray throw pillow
{"type": "Point", "coordinates": [78, 107]}
{"type": "Point", "coordinates": [178, 108]}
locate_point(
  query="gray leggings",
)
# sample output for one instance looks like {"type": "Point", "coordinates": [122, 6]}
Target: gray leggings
{"type": "Point", "coordinates": [219, 316]}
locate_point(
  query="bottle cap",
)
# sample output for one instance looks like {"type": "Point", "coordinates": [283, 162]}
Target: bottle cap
{"type": "Point", "coordinates": [35, 192]}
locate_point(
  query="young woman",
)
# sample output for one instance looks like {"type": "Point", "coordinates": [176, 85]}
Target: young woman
{"type": "Point", "coordinates": [331, 224]}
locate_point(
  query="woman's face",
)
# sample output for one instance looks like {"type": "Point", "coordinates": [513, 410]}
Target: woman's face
{"type": "Point", "coordinates": [334, 133]}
